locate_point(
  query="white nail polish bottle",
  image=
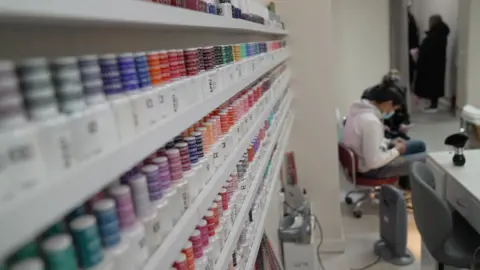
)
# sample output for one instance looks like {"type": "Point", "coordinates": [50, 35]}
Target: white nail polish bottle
{"type": "Point", "coordinates": [220, 238]}
{"type": "Point", "coordinates": [21, 166]}
{"type": "Point", "coordinates": [123, 114]}
{"type": "Point", "coordinates": [87, 132]}
{"type": "Point", "coordinates": [162, 96]}
{"type": "Point", "coordinates": [146, 213]}
{"type": "Point", "coordinates": [141, 98]}
{"type": "Point", "coordinates": [55, 138]}
{"type": "Point", "coordinates": [193, 188]}
{"type": "Point", "coordinates": [84, 127]}
{"type": "Point", "coordinates": [107, 130]}
{"type": "Point", "coordinates": [121, 256]}
{"type": "Point", "coordinates": [211, 169]}
{"type": "Point", "coordinates": [119, 102]}
{"type": "Point", "coordinates": [96, 101]}
{"type": "Point", "coordinates": [182, 188]}
{"type": "Point", "coordinates": [174, 205]}
{"type": "Point", "coordinates": [136, 234]}
{"type": "Point", "coordinates": [166, 223]}
{"type": "Point", "coordinates": [208, 253]}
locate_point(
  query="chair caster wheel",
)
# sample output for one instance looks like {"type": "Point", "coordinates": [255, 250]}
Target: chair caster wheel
{"type": "Point", "coordinates": [348, 200]}
{"type": "Point", "coordinates": [357, 214]}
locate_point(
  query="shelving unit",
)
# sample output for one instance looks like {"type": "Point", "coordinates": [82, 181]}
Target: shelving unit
{"type": "Point", "coordinates": [83, 181]}
{"type": "Point", "coordinates": [283, 143]}
{"type": "Point", "coordinates": [231, 242]}
{"type": "Point", "coordinates": [122, 13]}
{"type": "Point", "coordinates": [239, 69]}
{"type": "Point", "coordinates": [176, 239]}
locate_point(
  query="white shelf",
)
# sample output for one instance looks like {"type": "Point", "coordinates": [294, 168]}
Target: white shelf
{"type": "Point", "coordinates": [237, 228]}
{"type": "Point", "coordinates": [121, 13]}
{"type": "Point", "coordinates": [260, 227]}
{"type": "Point", "coordinates": [23, 219]}
{"type": "Point", "coordinates": [173, 244]}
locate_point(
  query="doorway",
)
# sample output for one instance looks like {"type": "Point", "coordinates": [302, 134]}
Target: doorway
{"type": "Point", "coordinates": [421, 11]}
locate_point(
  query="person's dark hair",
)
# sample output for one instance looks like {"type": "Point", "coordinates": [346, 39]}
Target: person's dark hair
{"type": "Point", "coordinates": [388, 90]}
{"type": "Point", "coordinates": [434, 20]}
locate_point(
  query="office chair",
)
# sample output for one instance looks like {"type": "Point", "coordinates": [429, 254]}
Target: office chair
{"type": "Point", "coordinates": [447, 236]}
{"type": "Point", "coordinates": [368, 188]}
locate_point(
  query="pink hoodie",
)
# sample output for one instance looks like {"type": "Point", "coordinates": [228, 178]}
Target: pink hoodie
{"type": "Point", "coordinates": [364, 134]}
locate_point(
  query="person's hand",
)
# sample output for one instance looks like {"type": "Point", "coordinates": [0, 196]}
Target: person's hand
{"type": "Point", "coordinates": [398, 140]}
{"type": "Point", "coordinates": [414, 53]}
{"type": "Point", "coordinates": [403, 128]}
{"type": "Point", "coordinates": [401, 147]}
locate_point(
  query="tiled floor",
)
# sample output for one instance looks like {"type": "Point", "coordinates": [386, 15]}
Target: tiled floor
{"type": "Point", "coordinates": [361, 234]}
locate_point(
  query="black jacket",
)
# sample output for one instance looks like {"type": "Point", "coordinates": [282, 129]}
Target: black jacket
{"type": "Point", "coordinates": [430, 81]}
{"type": "Point", "coordinates": [412, 32]}
{"type": "Point", "coordinates": [413, 42]}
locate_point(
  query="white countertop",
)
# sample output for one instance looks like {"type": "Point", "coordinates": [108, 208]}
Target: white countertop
{"type": "Point", "coordinates": [468, 175]}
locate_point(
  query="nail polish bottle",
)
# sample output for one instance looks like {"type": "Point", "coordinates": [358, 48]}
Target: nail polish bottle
{"type": "Point", "coordinates": [83, 122]}
{"type": "Point", "coordinates": [208, 155]}
{"type": "Point", "coordinates": [170, 195]}
{"type": "Point", "coordinates": [188, 251]}
{"type": "Point", "coordinates": [146, 213]}
{"type": "Point", "coordinates": [59, 253]}
{"type": "Point", "coordinates": [181, 262]}
{"type": "Point", "coordinates": [54, 135]}
{"type": "Point", "coordinates": [130, 227]}
{"type": "Point", "coordinates": [176, 173]}
{"type": "Point", "coordinates": [29, 264]}
{"type": "Point", "coordinates": [197, 170]}
{"type": "Point", "coordinates": [158, 67]}
{"type": "Point", "coordinates": [22, 166]}
{"type": "Point", "coordinates": [115, 246]}
{"type": "Point", "coordinates": [202, 160]}
{"type": "Point", "coordinates": [88, 244]}
{"type": "Point", "coordinates": [219, 238]}
{"type": "Point", "coordinates": [200, 258]}
{"type": "Point", "coordinates": [162, 211]}
{"type": "Point", "coordinates": [137, 86]}
{"type": "Point", "coordinates": [119, 102]}
{"type": "Point", "coordinates": [208, 250]}
{"type": "Point", "coordinates": [189, 175]}
{"type": "Point", "coordinates": [233, 263]}
{"type": "Point", "coordinates": [97, 103]}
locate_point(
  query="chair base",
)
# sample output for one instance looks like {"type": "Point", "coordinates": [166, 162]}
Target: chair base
{"type": "Point", "coordinates": [381, 249]}
{"type": "Point", "coordinates": [367, 195]}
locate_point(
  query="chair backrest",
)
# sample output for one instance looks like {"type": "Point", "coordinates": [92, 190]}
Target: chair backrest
{"type": "Point", "coordinates": [348, 159]}
{"type": "Point", "coordinates": [433, 218]}
{"type": "Point", "coordinates": [339, 125]}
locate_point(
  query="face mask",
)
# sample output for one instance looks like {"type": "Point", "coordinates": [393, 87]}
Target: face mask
{"type": "Point", "coordinates": [388, 115]}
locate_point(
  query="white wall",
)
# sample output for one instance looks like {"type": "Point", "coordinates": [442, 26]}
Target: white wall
{"type": "Point", "coordinates": [472, 55]}
{"type": "Point", "coordinates": [339, 48]}
{"type": "Point", "coordinates": [361, 39]}
{"type": "Point", "coordinates": [314, 134]}
{"type": "Point", "coordinates": [448, 9]}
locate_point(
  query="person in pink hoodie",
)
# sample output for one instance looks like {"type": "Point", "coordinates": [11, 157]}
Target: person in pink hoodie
{"type": "Point", "coordinates": [363, 132]}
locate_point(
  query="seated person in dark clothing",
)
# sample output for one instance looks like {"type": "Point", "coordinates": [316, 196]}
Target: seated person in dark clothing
{"type": "Point", "coordinates": [396, 125]}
